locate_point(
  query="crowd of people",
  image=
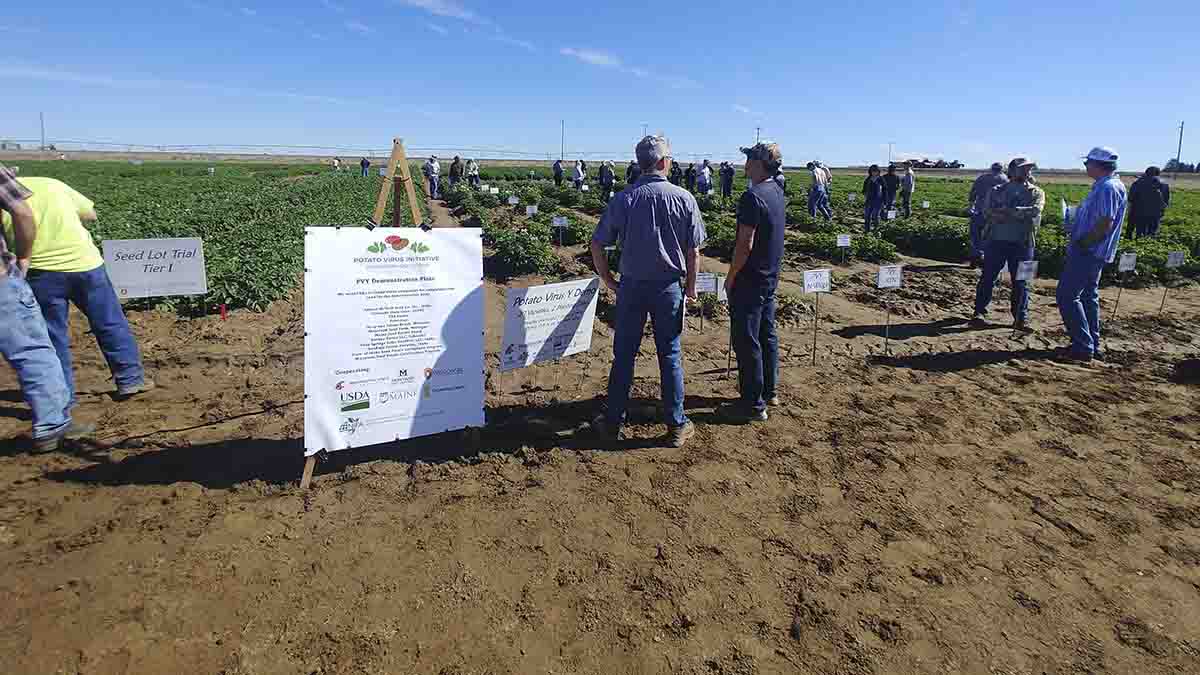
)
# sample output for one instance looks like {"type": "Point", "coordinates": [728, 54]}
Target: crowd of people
{"type": "Point", "coordinates": [49, 262]}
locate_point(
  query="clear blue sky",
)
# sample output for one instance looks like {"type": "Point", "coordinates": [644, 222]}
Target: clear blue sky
{"type": "Point", "coordinates": [963, 80]}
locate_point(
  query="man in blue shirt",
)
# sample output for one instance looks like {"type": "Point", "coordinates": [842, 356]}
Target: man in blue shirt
{"type": "Point", "coordinates": [980, 193]}
{"type": "Point", "coordinates": [660, 230]}
{"type": "Point", "coordinates": [753, 278]}
{"type": "Point", "coordinates": [1093, 236]}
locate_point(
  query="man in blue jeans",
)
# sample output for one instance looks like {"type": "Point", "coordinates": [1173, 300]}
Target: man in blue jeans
{"type": "Point", "coordinates": [751, 283]}
{"type": "Point", "coordinates": [661, 231]}
{"type": "Point", "coordinates": [1093, 237]}
{"type": "Point", "coordinates": [1012, 216]}
{"type": "Point", "coordinates": [818, 193]}
{"type": "Point", "coordinates": [23, 338]}
{"type": "Point", "coordinates": [66, 268]}
{"type": "Point", "coordinates": [981, 190]}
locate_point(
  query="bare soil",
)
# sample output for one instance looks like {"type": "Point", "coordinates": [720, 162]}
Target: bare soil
{"type": "Point", "coordinates": [962, 505]}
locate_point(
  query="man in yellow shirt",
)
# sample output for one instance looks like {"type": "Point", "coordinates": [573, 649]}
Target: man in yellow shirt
{"type": "Point", "coordinates": [66, 267]}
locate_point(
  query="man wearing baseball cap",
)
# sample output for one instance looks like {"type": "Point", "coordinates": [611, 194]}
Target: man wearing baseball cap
{"type": "Point", "coordinates": [1093, 236]}
{"type": "Point", "coordinates": [751, 283]}
{"type": "Point", "coordinates": [981, 190]}
{"type": "Point", "coordinates": [1011, 220]}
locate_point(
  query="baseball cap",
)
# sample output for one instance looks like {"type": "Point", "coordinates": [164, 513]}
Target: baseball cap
{"type": "Point", "coordinates": [1021, 162]}
{"type": "Point", "coordinates": [997, 166]}
{"type": "Point", "coordinates": [1102, 154]}
{"type": "Point", "coordinates": [766, 152]}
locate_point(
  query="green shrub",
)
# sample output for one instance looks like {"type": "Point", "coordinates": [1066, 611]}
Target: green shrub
{"type": "Point", "coordinates": [722, 236]}
{"type": "Point", "coordinates": [824, 245]}
{"type": "Point", "coordinates": [520, 252]}
{"type": "Point", "coordinates": [933, 238]}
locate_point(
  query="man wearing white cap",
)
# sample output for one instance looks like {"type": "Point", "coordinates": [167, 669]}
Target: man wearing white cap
{"type": "Point", "coordinates": [1093, 236]}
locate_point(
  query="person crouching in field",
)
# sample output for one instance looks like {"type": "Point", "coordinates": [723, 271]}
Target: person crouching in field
{"type": "Point", "coordinates": [873, 197]}
{"type": "Point", "coordinates": [23, 337]}
{"type": "Point", "coordinates": [1013, 215]}
{"type": "Point", "coordinates": [65, 268]}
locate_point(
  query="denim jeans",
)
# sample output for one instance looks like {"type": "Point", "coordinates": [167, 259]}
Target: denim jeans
{"type": "Point", "coordinates": [1147, 228]}
{"type": "Point", "coordinates": [364, 172]}
{"type": "Point", "coordinates": [997, 254]}
{"type": "Point", "coordinates": [26, 346]}
{"type": "Point", "coordinates": [906, 201]}
{"type": "Point", "coordinates": [662, 301]}
{"type": "Point", "coordinates": [433, 187]}
{"type": "Point", "coordinates": [977, 223]}
{"type": "Point", "coordinates": [752, 320]}
{"type": "Point", "coordinates": [726, 190]}
{"type": "Point", "coordinates": [93, 294]}
{"type": "Point", "coordinates": [889, 199]}
{"type": "Point", "coordinates": [871, 214]}
{"type": "Point", "coordinates": [818, 200]}
{"type": "Point", "coordinates": [1079, 302]}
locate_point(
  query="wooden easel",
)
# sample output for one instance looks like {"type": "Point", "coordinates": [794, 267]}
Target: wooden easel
{"type": "Point", "coordinates": [398, 161]}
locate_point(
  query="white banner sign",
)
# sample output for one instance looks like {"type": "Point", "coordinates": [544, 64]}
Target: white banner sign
{"type": "Point", "coordinates": [1127, 263]}
{"type": "Point", "coordinates": [549, 322]}
{"type": "Point", "coordinates": [1027, 270]}
{"type": "Point", "coordinates": [1176, 259]}
{"type": "Point", "coordinates": [817, 281]}
{"type": "Point", "coordinates": [531, 210]}
{"type": "Point", "coordinates": [393, 346]}
{"type": "Point", "coordinates": [889, 276]}
{"type": "Point", "coordinates": [142, 268]}
{"type": "Point", "coordinates": [843, 241]}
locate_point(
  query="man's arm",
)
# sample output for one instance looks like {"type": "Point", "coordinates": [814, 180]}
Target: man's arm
{"type": "Point", "coordinates": [1166, 193]}
{"type": "Point", "coordinates": [24, 233]}
{"type": "Point", "coordinates": [692, 261]}
{"type": "Point", "coordinates": [1098, 233]}
{"type": "Point", "coordinates": [605, 235]}
{"type": "Point", "coordinates": [1108, 203]}
{"type": "Point", "coordinates": [600, 262]}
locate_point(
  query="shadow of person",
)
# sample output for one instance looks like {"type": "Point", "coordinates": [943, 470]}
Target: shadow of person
{"type": "Point", "coordinates": [950, 362]}
{"type": "Point", "coordinates": [906, 331]}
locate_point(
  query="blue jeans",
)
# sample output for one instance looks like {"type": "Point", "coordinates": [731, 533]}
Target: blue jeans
{"type": "Point", "coordinates": [662, 301]}
{"type": "Point", "coordinates": [93, 294]}
{"type": "Point", "coordinates": [1079, 302]}
{"type": "Point", "coordinates": [997, 254]}
{"type": "Point", "coordinates": [433, 187]}
{"type": "Point", "coordinates": [818, 200]}
{"type": "Point", "coordinates": [977, 223]}
{"type": "Point", "coordinates": [1147, 228]}
{"type": "Point", "coordinates": [364, 172]}
{"type": "Point", "coordinates": [871, 214]}
{"type": "Point", "coordinates": [726, 190]}
{"type": "Point", "coordinates": [752, 320]}
{"type": "Point", "coordinates": [26, 346]}
{"type": "Point", "coordinates": [906, 200]}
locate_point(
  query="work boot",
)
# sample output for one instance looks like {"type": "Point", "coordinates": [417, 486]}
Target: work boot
{"type": "Point", "coordinates": [1022, 327]}
{"type": "Point", "coordinates": [677, 437]}
{"type": "Point", "coordinates": [73, 431]}
{"type": "Point", "coordinates": [603, 431]}
{"type": "Point", "coordinates": [737, 413]}
{"type": "Point", "coordinates": [774, 402]}
{"type": "Point", "coordinates": [978, 321]}
{"type": "Point", "coordinates": [129, 391]}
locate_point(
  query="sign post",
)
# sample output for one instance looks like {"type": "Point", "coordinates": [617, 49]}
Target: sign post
{"type": "Point", "coordinates": [889, 276]}
{"type": "Point", "coordinates": [843, 242]}
{"type": "Point", "coordinates": [559, 223]}
{"type": "Point", "coordinates": [1125, 265]}
{"type": "Point", "coordinates": [1175, 260]}
{"type": "Point", "coordinates": [817, 281]}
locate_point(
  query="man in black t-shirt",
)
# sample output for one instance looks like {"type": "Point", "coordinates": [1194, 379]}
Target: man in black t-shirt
{"type": "Point", "coordinates": [753, 278]}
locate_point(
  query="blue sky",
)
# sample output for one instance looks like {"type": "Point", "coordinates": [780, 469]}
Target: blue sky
{"type": "Point", "coordinates": [962, 80]}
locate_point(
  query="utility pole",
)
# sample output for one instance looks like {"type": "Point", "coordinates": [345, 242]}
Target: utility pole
{"type": "Point", "coordinates": [645, 128]}
{"type": "Point", "coordinates": [562, 139]}
{"type": "Point", "coordinates": [757, 134]}
{"type": "Point", "coordinates": [890, 146]}
{"type": "Point", "coordinates": [1178, 156]}
{"type": "Point", "coordinates": [43, 118]}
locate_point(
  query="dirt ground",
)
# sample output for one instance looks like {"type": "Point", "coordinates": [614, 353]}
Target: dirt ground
{"type": "Point", "coordinates": [964, 505]}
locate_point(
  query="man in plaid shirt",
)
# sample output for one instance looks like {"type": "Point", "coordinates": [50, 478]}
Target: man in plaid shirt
{"type": "Point", "coordinates": [24, 340]}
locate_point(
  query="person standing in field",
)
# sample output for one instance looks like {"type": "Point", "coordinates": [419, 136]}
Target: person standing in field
{"type": "Point", "coordinates": [981, 191]}
{"type": "Point", "coordinates": [632, 173]}
{"type": "Point", "coordinates": [24, 340]}
{"type": "Point", "coordinates": [365, 165]}
{"type": "Point", "coordinates": [337, 164]}
{"type": "Point", "coordinates": [908, 185]}
{"type": "Point", "coordinates": [433, 171]}
{"type": "Point", "coordinates": [661, 231]}
{"type": "Point", "coordinates": [727, 176]}
{"type": "Point", "coordinates": [1093, 236]}
{"type": "Point", "coordinates": [1149, 198]}
{"type": "Point", "coordinates": [580, 174]}
{"type": "Point", "coordinates": [676, 174]}
{"type": "Point", "coordinates": [558, 173]}
{"type": "Point", "coordinates": [891, 186]}
{"type": "Point", "coordinates": [873, 198]}
{"type": "Point", "coordinates": [1013, 215]}
{"type": "Point", "coordinates": [608, 178]}
{"type": "Point", "coordinates": [456, 171]}
{"type": "Point", "coordinates": [818, 193]}
{"type": "Point", "coordinates": [704, 178]}
{"type": "Point", "coordinates": [473, 173]}
{"type": "Point", "coordinates": [65, 268]}
{"type": "Point", "coordinates": [690, 177]}
{"type": "Point", "coordinates": [751, 284]}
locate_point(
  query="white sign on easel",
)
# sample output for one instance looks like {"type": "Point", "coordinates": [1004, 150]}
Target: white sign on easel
{"type": "Point", "coordinates": [143, 268]}
{"type": "Point", "coordinates": [1127, 263]}
{"type": "Point", "coordinates": [544, 323]}
{"type": "Point", "coordinates": [393, 347]}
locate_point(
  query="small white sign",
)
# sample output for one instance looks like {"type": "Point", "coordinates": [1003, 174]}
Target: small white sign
{"type": "Point", "coordinates": [1127, 263]}
{"type": "Point", "coordinates": [531, 210]}
{"type": "Point", "coordinates": [851, 197]}
{"type": "Point", "coordinates": [843, 241]}
{"type": "Point", "coordinates": [549, 322]}
{"type": "Point", "coordinates": [1068, 213]}
{"type": "Point", "coordinates": [706, 282]}
{"type": "Point", "coordinates": [211, 170]}
{"type": "Point", "coordinates": [138, 162]}
{"type": "Point", "coordinates": [585, 187]}
{"type": "Point", "coordinates": [513, 200]}
{"type": "Point", "coordinates": [143, 268]}
{"type": "Point", "coordinates": [889, 276]}
{"type": "Point", "coordinates": [1176, 259]}
{"type": "Point", "coordinates": [559, 221]}
{"type": "Point", "coordinates": [485, 187]}
{"type": "Point", "coordinates": [891, 215]}
{"type": "Point", "coordinates": [495, 190]}
{"type": "Point", "coordinates": [818, 281]}
{"type": "Point", "coordinates": [1027, 270]}
{"type": "Point", "coordinates": [383, 172]}
{"type": "Point", "coordinates": [924, 205]}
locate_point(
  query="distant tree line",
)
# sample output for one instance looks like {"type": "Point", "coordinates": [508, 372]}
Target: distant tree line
{"type": "Point", "coordinates": [1181, 167]}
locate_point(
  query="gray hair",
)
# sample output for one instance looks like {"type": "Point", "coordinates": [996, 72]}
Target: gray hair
{"type": "Point", "coordinates": [651, 150]}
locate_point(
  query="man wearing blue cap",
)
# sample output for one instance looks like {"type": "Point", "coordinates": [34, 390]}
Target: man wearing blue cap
{"type": "Point", "coordinates": [1093, 236]}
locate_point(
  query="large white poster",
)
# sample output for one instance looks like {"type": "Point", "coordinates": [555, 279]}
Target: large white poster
{"type": "Point", "coordinates": [549, 322]}
{"type": "Point", "coordinates": [393, 323]}
{"type": "Point", "coordinates": [143, 268]}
